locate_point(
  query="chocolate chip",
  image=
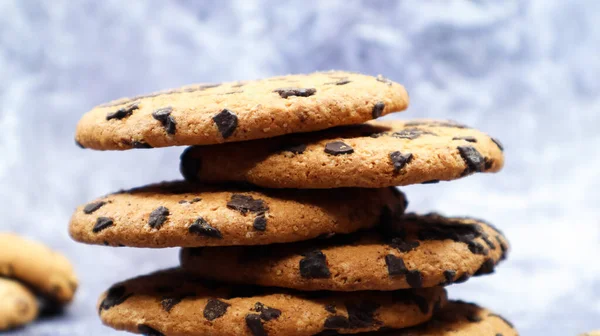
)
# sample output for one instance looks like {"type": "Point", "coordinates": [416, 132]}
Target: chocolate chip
{"type": "Point", "coordinates": [449, 276]}
{"type": "Point", "coordinates": [477, 248]}
{"type": "Point", "coordinates": [102, 223]}
{"type": "Point", "coordinates": [215, 309]}
{"type": "Point", "coordinates": [140, 145]}
{"type": "Point", "coordinates": [314, 265]}
{"type": "Point", "coordinates": [486, 268]}
{"type": "Point", "coordinates": [255, 325]}
{"type": "Point", "coordinates": [189, 166]}
{"type": "Point", "coordinates": [466, 138]}
{"type": "Point", "coordinates": [336, 322]}
{"type": "Point", "coordinates": [475, 162]}
{"type": "Point", "coordinates": [378, 110]}
{"type": "Point", "coordinates": [411, 133]}
{"type": "Point", "coordinates": [166, 119]}
{"type": "Point", "coordinates": [79, 144]}
{"type": "Point", "coordinates": [168, 302]}
{"type": "Point", "coordinates": [403, 245]}
{"type": "Point", "coordinates": [115, 296]}
{"type": "Point", "coordinates": [434, 227]}
{"type": "Point", "coordinates": [122, 112]}
{"type": "Point", "coordinates": [498, 143]}
{"type": "Point", "coordinates": [395, 265]}
{"type": "Point", "coordinates": [489, 163]}
{"type": "Point", "coordinates": [267, 313]}
{"type": "Point", "coordinates": [149, 331]}
{"type": "Point", "coordinates": [202, 228]}
{"type": "Point", "coordinates": [157, 217]}
{"type": "Point", "coordinates": [414, 278]}
{"type": "Point", "coordinates": [487, 240]}
{"type": "Point", "coordinates": [260, 223]}
{"type": "Point", "coordinates": [338, 148]}
{"type": "Point", "coordinates": [382, 79]}
{"type": "Point", "coordinates": [431, 182]}
{"type": "Point", "coordinates": [474, 318]}
{"type": "Point", "coordinates": [503, 319]}
{"type": "Point", "coordinates": [245, 204]}
{"type": "Point", "coordinates": [90, 208]}
{"type": "Point", "coordinates": [331, 308]}
{"type": "Point", "coordinates": [361, 315]}
{"type": "Point", "coordinates": [296, 149]}
{"type": "Point", "coordinates": [300, 92]}
{"type": "Point", "coordinates": [226, 122]}
{"type": "Point", "coordinates": [400, 160]}
{"type": "Point", "coordinates": [462, 278]}
{"type": "Point", "coordinates": [342, 82]}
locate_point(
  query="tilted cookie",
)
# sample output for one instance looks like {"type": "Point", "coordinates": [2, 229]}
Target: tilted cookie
{"type": "Point", "coordinates": [173, 303]}
{"type": "Point", "coordinates": [18, 306]}
{"type": "Point", "coordinates": [376, 154]}
{"type": "Point", "coordinates": [236, 111]}
{"type": "Point", "coordinates": [456, 319]}
{"type": "Point", "coordinates": [188, 215]}
{"type": "Point", "coordinates": [46, 271]}
{"type": "Point", "coordinates": [424, 251]}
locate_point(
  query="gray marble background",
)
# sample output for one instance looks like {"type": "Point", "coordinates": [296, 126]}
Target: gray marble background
{"type": "Point", "coordinates": [527, 72]}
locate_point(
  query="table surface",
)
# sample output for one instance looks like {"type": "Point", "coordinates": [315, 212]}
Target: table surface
{"type": "Point", "coordinates": [524, 71]}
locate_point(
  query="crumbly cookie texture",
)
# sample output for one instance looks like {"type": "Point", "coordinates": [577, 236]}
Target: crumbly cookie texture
{"type": "Point", "coordinates": [173, 303]}
{"type": "Point", "coordinates": [458, 318]}
{"type": "Point", "coordinates": [18, 306]}
{"type": "Point", "coordinates": [46, 271]}
{"type": "Point", "coordinates": [189, 215]}
{"type": "Point", "coordinates": [371, 155]}
{"type": "Point", "coordinates": [215, 113]}
{"type": "Point", "coordinates": [422, 251]}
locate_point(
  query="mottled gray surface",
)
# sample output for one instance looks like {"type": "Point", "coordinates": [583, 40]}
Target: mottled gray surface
{"type": "Point", "coordinates": [525, 71]}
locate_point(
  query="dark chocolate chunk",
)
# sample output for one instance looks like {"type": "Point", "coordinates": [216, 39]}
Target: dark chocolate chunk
{"type": "Point", "coordinates": [434, 227]}
{"type": "Point", "coordinates": [102, 223]}
{"type": "Point", "coordinates": [215, 309]}
{"type": "Point", "coordinates": [149, 331]}
{"type": "Point", "coordinates": [168, 302]}
{"type": "Point", "coordinates": [400, 160]}
{"type": "Point", "coordinates": [90, 208]}
{"type": "Point", "coordinates": [431, 182]}
{"type": "Point", "coordinates": [395, 265]}
{"type": "Point", "coordinates": [466, 138]}
{"type": "Point", "coordinates": [503, 319]}
{"type": "Point", "coordinates": [122, 112]}
{"type": "Point", "coordinates": [226, 122]}
{"type": "Point", "coordinates": [245, 204]}
{"type": "Point", "coordinates": [260, 223]}
{"type": "Point", "coordinates": [462, 278]}
{"type": "Point", "coordinates": [414, 279]}
{"type": "Point", "coordinates": [411, 133]}
{"type": "Point", "coordinates": [336, 322]}
{"type": "Point", "coordinates": [498, 143]}
{"type": "Point", "coordinates": [115, 296]}
{"type": "Point", "coordinates": [140, 145]}
{"type": "Point", "coordinates": [157, 217]}
{"type": "Point", "coordinates": [314, 265]}
{"type": "Point", "coordinates": [475, 162]}
{"type": "Point", "coordinates": [378, 110]}
{"type": "Point", "coordinates": [255, 325]}
{"type": "Point", "coordinates": [331, 308]}
{"type": "Point", "coordinates": [486, 268]}
{"type": "Point", "coordinates": [402, 245]}
{"type": "Point", "coordinates": [296, 149]}
{"type": "Point", "coordinates": [300, 92]}
{"type": "Point", "coordinates": [189, 166]}
{"type": "Point", "coordinates": [449, 276]}
{"type": "Point", "coordinates": [166, 119]}
{"type": "Point", "coordinates": [202, 228]}
{"type": "Point", "coordinates": [361, 315]}
{"type": "Point", "coordinates": [382, 79]}
{"type": "Point", "coordinates": [338, 148]}
{"type": "Point", "coordinates": [267, 313]}
{"type": "Point", "coordinates": [477, 248]}
{"type": "Point", "coordinates": [474, 318]}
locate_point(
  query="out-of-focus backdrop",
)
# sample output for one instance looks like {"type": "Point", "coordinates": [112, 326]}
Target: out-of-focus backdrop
{"type": "Point", "coordinates": [527, 72]}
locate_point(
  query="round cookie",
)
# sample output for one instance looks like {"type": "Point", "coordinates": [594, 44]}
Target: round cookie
{"type": "Point", "coordinates": [215, 113]}
{"type": "Point", "coordinates": [422, 251]}
{"type": "Point", "coordinates": [456, 319]}
{"type": "Point", "coordinates": [44, 270]}
{"type": "Point", "coordinates": [173, 303]}
{"type": "Point", "coordinates": [372, 155]}
{"type": "Point", "coordinates": [18, 306]}
{"type": "Point", "coordinates": [190, 215]}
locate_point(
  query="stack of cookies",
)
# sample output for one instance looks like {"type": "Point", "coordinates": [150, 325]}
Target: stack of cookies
{"type": "Point", "coordinates": [288, 216]}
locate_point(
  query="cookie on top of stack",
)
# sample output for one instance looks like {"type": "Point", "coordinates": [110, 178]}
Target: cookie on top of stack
{"type": "Point", "coordinates": [294, 226]}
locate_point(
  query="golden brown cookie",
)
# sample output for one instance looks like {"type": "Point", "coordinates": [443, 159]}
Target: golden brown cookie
{"type": "Point", "coordinates": [18, 306]}
{"type": "Point", "coordinates": [456, 319]}
{"type": "Point", "coordinates": [424, 251]}
{"type": "Point", "coordinates": [46, 271]}
{"type": "Point", "coordinates": [189, 215]}
{"type": "Point", "coordinates": [372, 155]}
{"type": "Point", "coordinates": [173, 303]}
{"type": "Point", "coordinates": [215, 113]}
